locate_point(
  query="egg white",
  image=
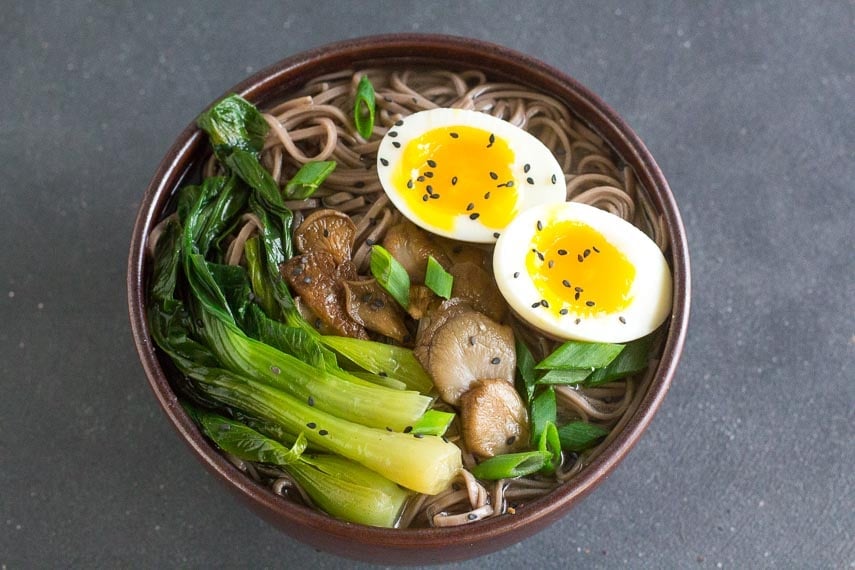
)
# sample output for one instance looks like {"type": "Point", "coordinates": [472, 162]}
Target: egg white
{"type": "Point", "coordinates": [650, 291]}
{"type": "Point", "coordinates": [536, 173]}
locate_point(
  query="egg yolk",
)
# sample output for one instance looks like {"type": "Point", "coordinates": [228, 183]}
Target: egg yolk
{"type": "Point", "coordinates": [576, 270]}
{"type": "Point", "coordinates": [458, 170]}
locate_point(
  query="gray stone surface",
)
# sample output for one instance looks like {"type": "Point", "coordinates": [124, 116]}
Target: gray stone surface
{"type": "Point", "coordinates": [748, 108]}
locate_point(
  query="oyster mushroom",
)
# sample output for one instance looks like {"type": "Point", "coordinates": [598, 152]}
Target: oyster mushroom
{"type": "Point", "coordinates": [326, 230]}
{"type": "Point", "coordinates": [494, 418]}
{"type": "Point", "coordinates": [458, 346]}
{"type": "Point", "coordinates": [422, 299]}
{"type": "Point", "coordinates": [317, 278]}
{"type": "Point", "coordinates": [370, 305]}
{"type": "Point", "coordinates": [412, 246]}
{"type": "Point", "coordinates": [473, 283]}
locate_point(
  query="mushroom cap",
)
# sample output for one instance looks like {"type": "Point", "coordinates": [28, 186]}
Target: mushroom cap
{"type": "Point", "coordinates": [326, 230]}
{"type": "Point", "coordinates": [494, 418]}
{"type": "Point", "coordinates": [371, 306]}
{"type": "Point", "coordinates": [473, 283]}
{"type": "Point", "coordinates": [317, 278]}
{"type": "Point", "coordinates": [412, 246]}
{"type": "Point", "coordinates": [459, 346]}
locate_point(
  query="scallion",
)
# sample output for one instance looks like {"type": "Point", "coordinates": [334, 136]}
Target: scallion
{"type": "Point", "coordinates": [544, 410]}
{"type": "Point", "coordinates": [510, 465]}
{"type": "Point", "coordinates": [364, 107]}
{"type": "Point", "coordinates": [438, 279]}
{"type": "Point", "coordinates": [391, 275]}
{"type": "Point", "coordinates": [574, 354]}
{"type": "Point", "coordinates": [579, 436]}
{"type": "Point", "coordinates": [308, 179]}
{"type": "Point", "coordinates": [559, 377]}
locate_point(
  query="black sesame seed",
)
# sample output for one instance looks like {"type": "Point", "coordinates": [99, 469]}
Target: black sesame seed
{"type": "Point", "coordinates": [565, 283]}
{"type": "Point", "coordinates": [471, 341]}
{"type": "Point", "coordinates": [511, 440]}
{"type": "Point", "coordinates": [535, 305]}
{"type": "Point", "coordinates": [414, 100]}
{"type": "Point", "coordinates": [474, 216]}
{"type": "Point", "coordinates": [580, 258]}
{"type": "Point", "coordinates": [551, 263]}
{"type": "Point", "coordinates": [311, 401]}
{"type": "Point", "coordinates": [297, 270]}
{"type": "Point", "coordinates": [539, 255]}
{"type": "Point", "coordinates": [434, 196]}
{"type": "Point", "coordinates": [494, 176]}
{"type": "Point", "coordinates": [307, 280]}
{"type": "Point", "coordinates": [578, 289]}
{"type": "Point", "coordinates": [429, 189]}
{"type": "Point", "coordinates": [586, 253]}
{"type": "Point", "coordinates": [595, 248]}
{"type": "Point", "coordinates": [453, 180]}
{"type": "Point", "coordinates": [516, 274]}
{"type": "Point", "coordinates": [428, 174]}
{"type": "Point", "coordinates": [318, 323]}
{"type": "Point", "coordinates": [322, 432]}
{"type": "Point", "coordinates": [410, 184]}
{"type": "Point", "coordinates": [496, 235]}
{"type": "Point", "coordinates": [311, 425]}
{"type": "Point", "coordinates": [563, 312]}
{"type": "Point", "coordinates": [544, 303]}
{"type": "Point", "coordinates": [562, 252]}
{"type": "Point", "coordinates": [578, 321]}
{"type": "Point", "coordinates": [378, 304]}
{"type": "Point", "coordinates": [530, 180]}
{"type": "Point", "coordinates": [470, 206]}
{"type": "Point", "coordinates": [487, 196]}
{"type": "Point", "coordinates": [445, 439]}
{"type": "Point", "coordinates": [453, 135]}
{"type": "Point", "coordinates": [382, 374]}
{"type": "Point", "coordinates": [509, 183]}
{"type": "Point", "coordinates": [496, 360]}
{"type": "Point", "coordinates": [399, 122]}
{"type": "Point", "coordinates": [622, 320]}
{"type": "Point", "coordinates": [526, 167]}
{"type": "Point", "coordinates": [396, 144]}
{"type": "Point", "coordinates": [554, 179]}
{"type": "Point", "coordinates": [471, 516]}
{"type": "Point", "coordinates": [576, 296]}
{"type": "Point", "coordinates": [392, 134]}
{"type": "Point", "coordinates": [370, 241]}
{"type": "Point", "coordinates": [425, 198]}
{"type": "Point", "coordinates": [384, 162]}
{"type": "Point", "coordinates": [366, 297]}
{"type": "Point", "coordinates": [275, 369]}
{"type": "Point", "coordinates": [420, 179]}
{"type": "Point", "coordinates": [359, 184]}
{"type": "Point", "coordinates": [326, 232]}
{"type": "Point", "coordinates": [431, 163]}
{"type": "Point", "coordinates": [492, 140]}
{"type": "Point", "coordinates": [589, 303]}
{"type": "Point", "coordinates": [408, 429]}
{"type": "Point", "coordinates": [418, 435]}
{"type": "Point", "coordinates": [539, 226]}
{"type": "Point", "coordinates": [388, 428]}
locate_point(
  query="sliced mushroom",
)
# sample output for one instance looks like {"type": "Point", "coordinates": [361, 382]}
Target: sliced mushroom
{"type": "Point", "coordinates": [371, 306]}
{"type": "Point", "coordinates": [494, 418]}
{"type": "Point", "coordinates": [473, 283]}
{"type": "Point", "coordinates": [317, 278]}
{"type": "Point", "coordinates": [412, 246]}
{"type": "Point", "coordinates": [311, 317]}
{"type": "Point", "coordinates": [326, 230]}
{"type": "Point", "coordinates": [459, 252]}
{"type": "Point", "coordinates": [422, 299]}
{"type": "Point", "coordinates": [460, 346]}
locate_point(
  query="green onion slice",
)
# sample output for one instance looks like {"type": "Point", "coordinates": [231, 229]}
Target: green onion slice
{"type": "Point", "coordinates": [631, 360]}
{"type": "Point", "coordinates": [579, 436]}
{"type": "Point", "coordinates": [363, 108]}
{"type": "Point", "coordinates": [308, 179]}
{"type": "Point", "coordinates": [510, 465]}
{"type": "Point", "coordinates": [564, 377]}
{"type": "Point", "coordinates": [438, 279]}
{"type": "Point", "coordinates": [433, 422]}
{"type": "Point", "coordinates": [390, 274]}
{"type": "Point", "coordinates": [544, 410]}
{"type": "Point", "coordinates": [574, 354]}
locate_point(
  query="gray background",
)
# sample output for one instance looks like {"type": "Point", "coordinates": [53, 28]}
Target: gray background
{"type": "Point", "coordinates": [748, 108]}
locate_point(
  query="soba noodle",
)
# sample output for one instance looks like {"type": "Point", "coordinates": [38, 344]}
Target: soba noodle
{"type": "Point", "coordinates": [315, 124]}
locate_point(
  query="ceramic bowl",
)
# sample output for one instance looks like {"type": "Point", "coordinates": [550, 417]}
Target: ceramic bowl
{"type": "Point", "coordinates": [429, 545]}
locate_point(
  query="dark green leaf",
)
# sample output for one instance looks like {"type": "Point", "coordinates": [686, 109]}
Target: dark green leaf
{"type": "Point", "coordinates": [438, 279]}
{"type": "Point", "coordinates": [574, 354]}
{"type": "Point", "coordinates": [291, 340]}
{"type": "Point", "coordinates": [308, 179]}
{"type": "Point", "coordinates": [579, 436]}
{"type": "Point", "coordinates": [245, 164]}
{"type": "Point", "coordinates": [234, 123]}
{"type": "Point", "coordinates": [364, 108]}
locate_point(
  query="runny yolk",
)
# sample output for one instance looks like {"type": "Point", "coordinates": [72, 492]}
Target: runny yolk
{"type": "Point", "coordinates": [577, 271]}
{"type": "Point", "coordinates": [459, 170]}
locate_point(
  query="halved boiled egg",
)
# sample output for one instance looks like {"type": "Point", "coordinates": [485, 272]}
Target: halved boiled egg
{"type": "Point", "coordinates": [465, 174]}
{"type": "Point", "coordinates": [576, 272]}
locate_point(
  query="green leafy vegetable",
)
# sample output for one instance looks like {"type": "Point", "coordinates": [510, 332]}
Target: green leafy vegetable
{"type": "Point", "coordinates": [574, 354]}
{"type": "Point", "coordinates": [510, 465]}
{"type": "Point", "coordinates": [384, 359]}
{"type": "Point", "coordinates": [233, 123]}
{"type": "Point", "coordinates": [364, 108]}
{"type": "Point", "coordinates": [308, 179]}
{"type": "Point", "coordinates": [438, 279]}
{"type": "Point", "coordinates": [390, 274]}
{"type": "Point", "coordinates": [579, 436]}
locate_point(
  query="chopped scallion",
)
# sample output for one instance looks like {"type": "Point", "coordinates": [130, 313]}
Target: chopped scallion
{"type": "Point", "coordinates": [559, 377]}
{"type": "Point", "coordinates": [579, 436]}
{"type": "Point", "coordinates": [308, 179]}
{"type": "Point", "coordinates": [364, 107]}
{"type": "Point", "coordinates": [574, 354]}
{"type": "Point", "coordinates": [510, 465]}
{"type": "Point", "coordinates": [391, 275]}
{"type": "Point", "coordinates": [438, 279]}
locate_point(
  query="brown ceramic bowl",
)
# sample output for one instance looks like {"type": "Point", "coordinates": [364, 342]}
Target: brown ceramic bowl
{"type": "Point", "coordinates": [433, 544]}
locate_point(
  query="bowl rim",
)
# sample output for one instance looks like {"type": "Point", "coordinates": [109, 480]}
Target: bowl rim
{"type": "Point", "coordinates": [468, 540]}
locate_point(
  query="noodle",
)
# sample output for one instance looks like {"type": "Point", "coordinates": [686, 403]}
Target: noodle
{"type": "Point", "coordinates": [315, 124]}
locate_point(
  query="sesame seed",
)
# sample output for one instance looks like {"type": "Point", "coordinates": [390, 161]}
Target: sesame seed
{"type": "Point", "coordinates": [307, 280]}
{"type": "Point", "coordinates": [580, 258]}
{"type": "Point", "coordinates": [434, 196]}
{"type": "Point", "coordinates": [535, 305]}
{"type": "Point", "coordinates": [418, 435]}
{"type": "Point", "coordinates": [318, 323]}
{"type": "Point", "coordinates": [431, 163]}
{"type": "Point", "coordinates": [378, 304]}
{"type": "Point", "coordinates": [492, 140]}
{"type": "Point", "coordinates": [453, 180]}
{"type": "Point", "coordinates": [420, 179]}
{"type": "Point", "coordinates": [554, 179]}
{"type": "Point", "coordinates": [530, 180]}
{"type": "Point", "coordinates": [516, 274]}
{"type": "Point", "coordinates": [359, 184]}
{"type": "Point", "coordinates": [578, 321]}
{"type": "Point", "coordinates": [494, 176]}
{"type": "Point", "coordinates": [474, 216]}
{"type": "Point", "coordinates": [429, 189]}
{"type": "Point", "coordinates": [595, 249]}
{"type": "Point", "coordinates": [428, 174]}
{"type": "Point", "coordinates": [408, 429]}
{"type": "Point", "coordinates": [471, 516]}
{"type": "Point", "coordinates": [396, 144]}
{"type": "Point", "coordinates": [410, 184]}
{"type": "Point", "coordinates": [496, 360]}
{"type": "Point", "coordinates": [586, 253]}
{"type": "Point", "coordinates": [487, 196]}
{"type": "Point", "coordinates": [622, 320]}
{"type": "Point", "coordinates": [326, 232]}
{"type": "Point", "coordinates": [322, 432]}
{"type": "Point", "coordinates": [384, 162]}
{"type": "Point", "coordinates": [511, 440]}
{"type": "Point", "coordinates": [457, 249]}
{"type": "Point", "coordinates": [578, 289]}
{"type": "Point", "coordinates": [275, 369]}
{"type": "Point", "coordinates": [311, 401]}
{"type": "Point", "coordinates": [414, 100]}
{"type": "Point", "coordinates": [589, 303]}
{"type": "Point", "coordinates": [297, 270]}
{"type": "Point", "coordinates": [496, 235]}
{"type": "Point", "coordinates": [425, 198]}
{"type": "Point", "coordinates": [526, 167]}
{"type": "Point", "coordinates": [562, 252]}
{"type": "Point", "coordinates": [311, 425]}
{"type": "Point", "coordinates": [470, 206]}
{"type": "Point", "coordinates": [576, 296]}
{"type": "Point", "coordinates": [509, 183]}
{"type": "Point", "coordinates": [563, 312]}
{"type": "Point", "coordinates": [539, 255]}
{"type": "Point", "coordinates": [471, 341]}
{"type": "Point", "coordinates": [539, 226]}
{"type": "Point", "coordinates": [544, 303]}
{"type": "Point", "coordinates": [565, 283]}
{"type": "Point", "coordinates": [453, 135]}
{"type": "Point", "coordinates": [382, 374]}
{"type": "Point", "coordinates": [388, 428]}
{"type": "Point", "coordinates": [392, 134]}
{"type": "Point", "coordinates": [366, 297]}
{"type": "Point", "coordinates": [399, 122]}
{"type": "Point", "coordinates": [551, 263]}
